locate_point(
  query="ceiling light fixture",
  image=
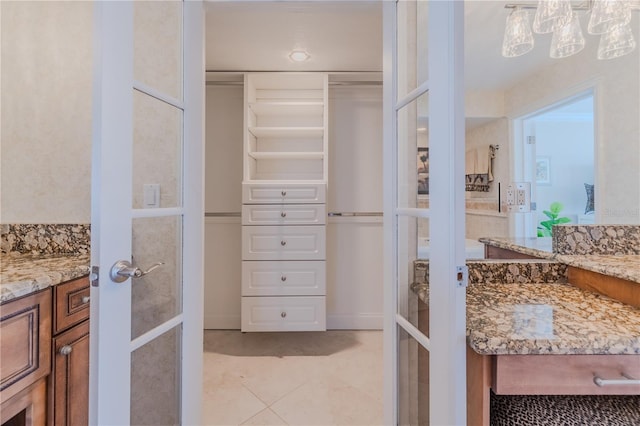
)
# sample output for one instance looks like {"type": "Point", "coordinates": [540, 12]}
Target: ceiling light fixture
{"type": "Point", "coordinates": [299, 55]}
{"type": "Point", "coordinates": [608, 18]}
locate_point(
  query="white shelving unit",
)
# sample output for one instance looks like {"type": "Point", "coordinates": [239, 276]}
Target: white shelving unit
{"type": "Point", "coordinates": [284, 191]}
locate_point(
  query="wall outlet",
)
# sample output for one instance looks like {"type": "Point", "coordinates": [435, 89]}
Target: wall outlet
{"type": "Point", "coordinates": [519, 197]}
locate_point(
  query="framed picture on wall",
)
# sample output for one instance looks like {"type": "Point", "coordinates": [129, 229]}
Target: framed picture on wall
{"type": "Point", "coordinates": [423, 171]}
{"type": "Point", "coordinates": [543, 172]}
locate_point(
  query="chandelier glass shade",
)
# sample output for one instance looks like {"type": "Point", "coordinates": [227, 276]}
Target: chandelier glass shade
{"type": "Point", "coordinates": [518, 38]}
{"type": "Point", "coordinates": [607, 14]}
{"type": "Point", "coordinates": [611, 19]}
{"type": "Point", "coordinates": [551, 15]}
{"type": "Point", "coordinates": [617, 42]}
{"type": "Point", "coordinates": [567, 40]}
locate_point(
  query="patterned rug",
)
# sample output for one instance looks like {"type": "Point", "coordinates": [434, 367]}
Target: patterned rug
{"type": "Point", "coordinates": [565, 410]}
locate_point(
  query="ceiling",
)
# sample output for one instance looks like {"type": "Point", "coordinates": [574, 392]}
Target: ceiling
{"type": "Point", "coordinates": [347, 36]}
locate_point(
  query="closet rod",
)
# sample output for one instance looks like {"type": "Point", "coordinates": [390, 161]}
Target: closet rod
{"type": "Point", "coordinates": [331, 83]}
{"type": "Point", "coordinates": [222, 214]}
{"type": "Point", "coordinates": [351, 214]}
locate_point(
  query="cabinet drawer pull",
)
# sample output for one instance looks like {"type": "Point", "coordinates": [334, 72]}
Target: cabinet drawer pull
{"type": "Point", "coordinates": [283, 243]}
{"type": "Point", "coordinates": [65, 350]}
{"type": "Point", "coordinates": [283, 314]}
{"type": "Point", "coordinates": [284, 193]}
{"type": "Point", "coordinates": [86, 300]}
{"type": "Point", "coordinates": [283, 278]}
{"type": "Point", "coordinates": [628, 380]}
{"type": "Point", "coordinates": [283, 214]}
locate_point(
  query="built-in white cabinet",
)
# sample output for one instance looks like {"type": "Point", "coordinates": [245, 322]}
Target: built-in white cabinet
{"type": "Point", "coordinates": [284, 192]}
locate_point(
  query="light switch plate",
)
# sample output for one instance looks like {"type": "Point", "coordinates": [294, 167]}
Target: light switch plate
{"type": "Point", "coordinates": [151, 195]}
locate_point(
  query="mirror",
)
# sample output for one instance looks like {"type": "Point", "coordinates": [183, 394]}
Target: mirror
{"type": "Point", "coordinates": [505, 96]}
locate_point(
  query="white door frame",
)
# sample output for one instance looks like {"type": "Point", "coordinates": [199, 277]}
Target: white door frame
{"type": "Point", "coordinates": [524, 225]}
{"type": "Point", "coordinates": [111, 218]}
{"type": "Point", "coordinates": [447, 340]}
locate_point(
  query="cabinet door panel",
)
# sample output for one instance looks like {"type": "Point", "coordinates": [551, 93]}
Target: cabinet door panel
{"type": "Point", "coordinates": [283, 243]}
{"type": "Point", "coordinates": [292, 214]}
{"type": "Point", "coordinates": [299, 278]}
{"type": "Point", "coordinates": [70, 377]}
{"type": "Point", "coordinates": [25, 342]}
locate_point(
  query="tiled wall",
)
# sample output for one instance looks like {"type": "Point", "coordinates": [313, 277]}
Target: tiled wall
{"type": "Point", "coordinates": [596, 239]}
{"type": "Point", "coordinates": [45, 239]}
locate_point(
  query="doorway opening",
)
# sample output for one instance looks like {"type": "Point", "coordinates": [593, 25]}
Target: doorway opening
{"type": "Point", "coordinates": [559, 159]}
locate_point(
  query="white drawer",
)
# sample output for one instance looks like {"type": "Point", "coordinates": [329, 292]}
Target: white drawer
{"type": "Point", "coordinates": [288, 278]}
{"type": "Point", "coordinates": [283, 242]}
{"type": "Point", "coordinates": [289, 193]}
{"type": "Point", "coordinates": [284, 313]}
{"type": "Point", "coordinates": [284, 214]}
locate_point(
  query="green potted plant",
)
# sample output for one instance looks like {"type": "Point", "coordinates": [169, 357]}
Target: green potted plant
{"type": "Point", "coordinates": [545, 227]}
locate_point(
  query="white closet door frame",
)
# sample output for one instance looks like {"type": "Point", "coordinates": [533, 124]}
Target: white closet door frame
{"type": "Point", "coordinates": [448, 278]}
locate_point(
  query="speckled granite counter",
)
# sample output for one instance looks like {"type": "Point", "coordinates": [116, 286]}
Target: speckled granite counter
{"type": "Point", "coordinates": [626, 267]}
{"type": "Point", "coordinates": [619, 266]}
{"type": "Point", "coordinates": [537, 247]}
{"type": "Point", "coordinates": [23, 274]}
{"type": "Point", "coordinates": [546, 319]}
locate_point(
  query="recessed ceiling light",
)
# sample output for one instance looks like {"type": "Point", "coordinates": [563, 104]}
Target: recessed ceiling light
{"type": "Point", "coordinates": [299, 55]}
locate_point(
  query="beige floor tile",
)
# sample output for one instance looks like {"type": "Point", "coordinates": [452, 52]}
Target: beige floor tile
{"type": "Point", "coordinates": [329, 402]}
{"type": "Point", "coordinates": [229, 403]}
{"type": "Point", "coordinates": [332, 378]}
{"type": "Point", "coordinates": [265, 417]}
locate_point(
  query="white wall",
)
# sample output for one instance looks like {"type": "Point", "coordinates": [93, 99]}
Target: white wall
{"type": "Point", "coordinates": [46, 112]}
{"type": "Point", "coordinates": [569, 147]}
{"type": "Point", "coordinates": [223, 193]}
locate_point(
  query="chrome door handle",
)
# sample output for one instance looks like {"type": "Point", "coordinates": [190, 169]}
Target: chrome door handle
{"type": "Point", "coordinates": [123, 269]}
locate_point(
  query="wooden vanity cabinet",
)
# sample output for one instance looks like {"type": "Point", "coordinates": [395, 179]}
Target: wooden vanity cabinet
{"type": "Point", "coordinates": [25, 351]}
{"type": "Point", "coordinates": [69, 380]}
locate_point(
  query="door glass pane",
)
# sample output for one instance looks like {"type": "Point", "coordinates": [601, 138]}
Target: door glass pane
{"type": "Point", "coordinates": [157, 130]}
{"type": "Point", "coordinates": [155, 380]}
{"type": "Point", "coordinates": [413, 381]}
{"type": "Point", "coordinates": [407, 301]}
{"type": "Point", "coordinates": [158, 45]}
{"type": "Point", "coordinates": [413, 153]}
{"type": "Point", "coordinates": [156, 297]}
{"type": "Point", "coordinates": [411, 41]}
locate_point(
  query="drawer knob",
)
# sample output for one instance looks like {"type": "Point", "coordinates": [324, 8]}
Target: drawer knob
{"type": "Point", "coordinates": [283, 314]}
{"type": "Point", "coordinates": [65, 350]}
{"type": "Point", "coordinates": [284, 193]}
{"type": "Point", "coordinates": [283, 278]}
{"type": "Point", "coordinates": [283, 243]}
{"type": "Point", "coordinates": [86, 299]}
{"type": "Point", "coordinates": [283, 214]}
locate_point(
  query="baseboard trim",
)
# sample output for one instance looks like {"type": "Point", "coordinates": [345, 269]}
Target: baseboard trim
{"type": "Point", "coordinates": [354, 321]}
{"type": "Point", "coordinates": [222, 322]}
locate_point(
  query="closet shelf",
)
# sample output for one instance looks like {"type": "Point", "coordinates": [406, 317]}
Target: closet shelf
{"type": "Point", "coordinates": [287, 155]}
{"type": "Point", "coordinates": [270, 108]}
{"type": "Point", "coordinates": [286, 132]}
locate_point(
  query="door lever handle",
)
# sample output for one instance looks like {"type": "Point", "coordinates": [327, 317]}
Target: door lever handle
{"type": "Point", "coordinates": [123, 269]}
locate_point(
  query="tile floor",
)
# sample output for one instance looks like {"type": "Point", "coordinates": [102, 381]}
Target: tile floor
{"type": "Point", "coordinates": [330, 378]}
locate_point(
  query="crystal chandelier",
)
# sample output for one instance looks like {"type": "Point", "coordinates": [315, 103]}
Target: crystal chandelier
{"type": "Point", "coordinates": [611, 19]}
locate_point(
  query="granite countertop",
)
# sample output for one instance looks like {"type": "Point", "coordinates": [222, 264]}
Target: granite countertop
{"type": "Point", "coordinates": [625, 266]}
{"type": "Point", "coordinates": [23, 274]}
{"type": "Point", "coordinates": [546, 318]}
{"type": "Point", "coordinates": [537, 247]}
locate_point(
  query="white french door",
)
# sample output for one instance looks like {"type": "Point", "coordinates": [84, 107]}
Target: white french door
{"type": "Point", "coordinates": [425, 344]}
{"type": "Point", "coordinates": [147, 213]}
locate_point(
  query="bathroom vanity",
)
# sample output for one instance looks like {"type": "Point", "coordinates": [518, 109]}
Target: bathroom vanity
{"type": "Point", "coordinates": [44, 339]}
